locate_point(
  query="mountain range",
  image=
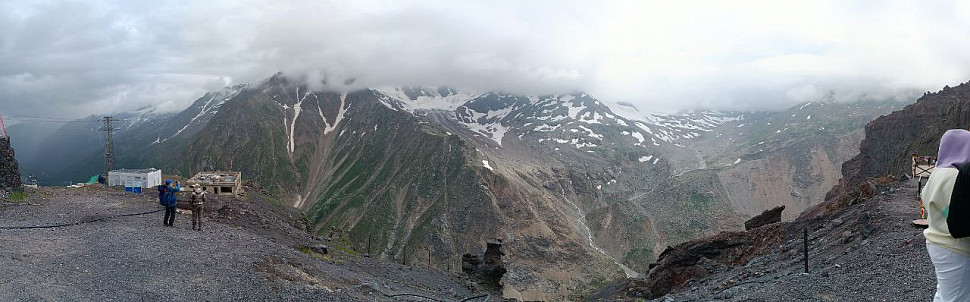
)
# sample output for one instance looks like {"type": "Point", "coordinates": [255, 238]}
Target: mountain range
{"type": "Point", "coordinates": [580, 191]}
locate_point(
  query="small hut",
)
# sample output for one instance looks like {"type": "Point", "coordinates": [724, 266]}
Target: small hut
{"type": "Point", "coordinates": [225, 183]}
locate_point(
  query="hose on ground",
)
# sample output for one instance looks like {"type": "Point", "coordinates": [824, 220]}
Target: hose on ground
{"type": "Point", "coordinates": [76, 222]}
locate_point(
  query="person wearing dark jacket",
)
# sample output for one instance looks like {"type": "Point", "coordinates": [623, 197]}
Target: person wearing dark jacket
{"type": "Point", "coordinates": [198, 204]}
{"type": "Point", "coordinates": [166, 197]}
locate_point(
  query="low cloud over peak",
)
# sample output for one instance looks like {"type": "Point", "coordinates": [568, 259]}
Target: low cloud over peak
{"type": "Point", "coordinates": [77, 58]}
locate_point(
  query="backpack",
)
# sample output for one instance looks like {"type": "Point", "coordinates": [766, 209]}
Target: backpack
{"type": "Point", "coordinates": [958, 218]}
{"type": "Point", "coordinates": [162, 194]}
{"type": "Point", "coordinates": [198, 197]}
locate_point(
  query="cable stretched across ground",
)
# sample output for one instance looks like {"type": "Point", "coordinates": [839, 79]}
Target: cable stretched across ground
{"type": "Point", "coordinates": [76, 222]}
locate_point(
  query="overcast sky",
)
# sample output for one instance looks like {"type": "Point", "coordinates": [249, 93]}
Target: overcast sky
{"type": "Point", "coordinates": [72, 59]}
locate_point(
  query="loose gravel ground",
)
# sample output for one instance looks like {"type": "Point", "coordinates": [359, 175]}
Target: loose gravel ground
{"type": "Point", "coordinates": [136, 258]}
{"type": "Point", "coordinates": [869, 252]}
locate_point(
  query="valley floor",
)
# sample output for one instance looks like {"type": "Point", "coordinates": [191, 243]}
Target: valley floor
{"type": "Point", "coordinates": [866, 252]}
{"type": "Point", "coordinates": [129, 258]}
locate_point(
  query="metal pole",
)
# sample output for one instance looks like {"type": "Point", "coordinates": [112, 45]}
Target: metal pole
{"type": "Point", "coordinates": [805, 242]}
{"type": "Point", "coordinates": [429, 258]}
{"type": "Point", "coordinates": [108, 130]}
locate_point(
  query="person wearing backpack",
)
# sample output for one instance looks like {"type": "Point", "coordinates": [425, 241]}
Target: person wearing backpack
{"type": "Point", "coordinates": [166, 197]}
{"type": "Point", "coordinates": [198, 204]}
{"type": "Point", "coordinates": [949, 185]}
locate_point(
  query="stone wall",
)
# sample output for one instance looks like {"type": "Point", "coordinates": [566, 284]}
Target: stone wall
{"type": "Point", "coordinates": [9, 170]}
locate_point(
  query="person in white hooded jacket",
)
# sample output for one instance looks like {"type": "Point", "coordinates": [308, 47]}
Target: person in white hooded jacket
{"type": "Point", "coordinates": [950, 256]}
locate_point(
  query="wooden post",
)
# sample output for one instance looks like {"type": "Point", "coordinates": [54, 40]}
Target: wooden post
{"type": "Point", "coordinates": [919, 189]}
{"type": "Point", "coordinates": [429, 258]}
{"type": "Point", "coordinates": [805, 241]}
{"type": "Point", "coordinates": [368, 244]}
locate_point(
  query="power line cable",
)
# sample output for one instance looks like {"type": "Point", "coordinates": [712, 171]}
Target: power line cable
{"type": "Point", "coordinates": [35, 118]}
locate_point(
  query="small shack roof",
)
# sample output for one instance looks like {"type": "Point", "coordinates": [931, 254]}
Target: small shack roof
{"type": "Point", "coordinates": [149, 170]}
{"type": "Point", "coordinates": [216, 177]}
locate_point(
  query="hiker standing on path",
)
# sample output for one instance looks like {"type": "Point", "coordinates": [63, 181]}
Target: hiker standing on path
{"type": "Point", "coordinates": [950, 256]}
{"type": "Point", "coordinates": [166, 197]}
{"type": "Point", "coordinates": [198, 204]}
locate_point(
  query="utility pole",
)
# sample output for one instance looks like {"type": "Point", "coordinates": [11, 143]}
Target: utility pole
{"type": "Point", "coordinates": [109, 157]}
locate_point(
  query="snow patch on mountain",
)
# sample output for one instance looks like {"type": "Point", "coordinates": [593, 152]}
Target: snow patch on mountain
{"type": "Point", "coordinates": [672, 128]}
{"type": "Point", "coordinates": [412, 99]}
{"type": "Point", "coordinates": [291, 144]}
{"type": "Point", "coordinates": [487, 123]}
{"type": "Point", "coordinates": [207, 108]}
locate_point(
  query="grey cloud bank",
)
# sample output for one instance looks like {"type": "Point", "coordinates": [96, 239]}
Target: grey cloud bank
{"type": "Point", "coordinates": [75, 58]}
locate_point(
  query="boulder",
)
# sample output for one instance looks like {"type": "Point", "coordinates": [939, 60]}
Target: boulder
{"type": "Point", "coordinates": [489, 268]}
{"type": "Point", "coordinates": [765, 218]}
{"type": "Point", "coordinates": [320, 248]}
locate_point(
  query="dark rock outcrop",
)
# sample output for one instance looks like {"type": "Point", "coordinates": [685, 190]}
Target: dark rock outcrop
{"type": "Point", "coordinates": [489, 268]}
{"type": "Point", "coordinates": [695, 259]}
{"type": "Point", "coordinates": [765, 218]}
{"type": "Point", "coordinates": [9, 170]}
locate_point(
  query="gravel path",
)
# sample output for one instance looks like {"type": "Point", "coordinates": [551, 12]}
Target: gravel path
{"type": "Point", "coordinates": [869, 252]}
{"type": "Point", "coordinates": [136, 258]}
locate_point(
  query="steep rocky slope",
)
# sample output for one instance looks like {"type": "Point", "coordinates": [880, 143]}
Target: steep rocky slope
{"type": "Point", "coordinates": [865, 252]}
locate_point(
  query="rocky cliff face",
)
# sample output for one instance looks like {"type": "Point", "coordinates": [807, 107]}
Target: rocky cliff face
{"type": "Point", "coordinates": [796, 176]}
{"type": "Point", "coordinates": [9, 170]}
{"type": "Point", "coordinates": [892, 139]}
